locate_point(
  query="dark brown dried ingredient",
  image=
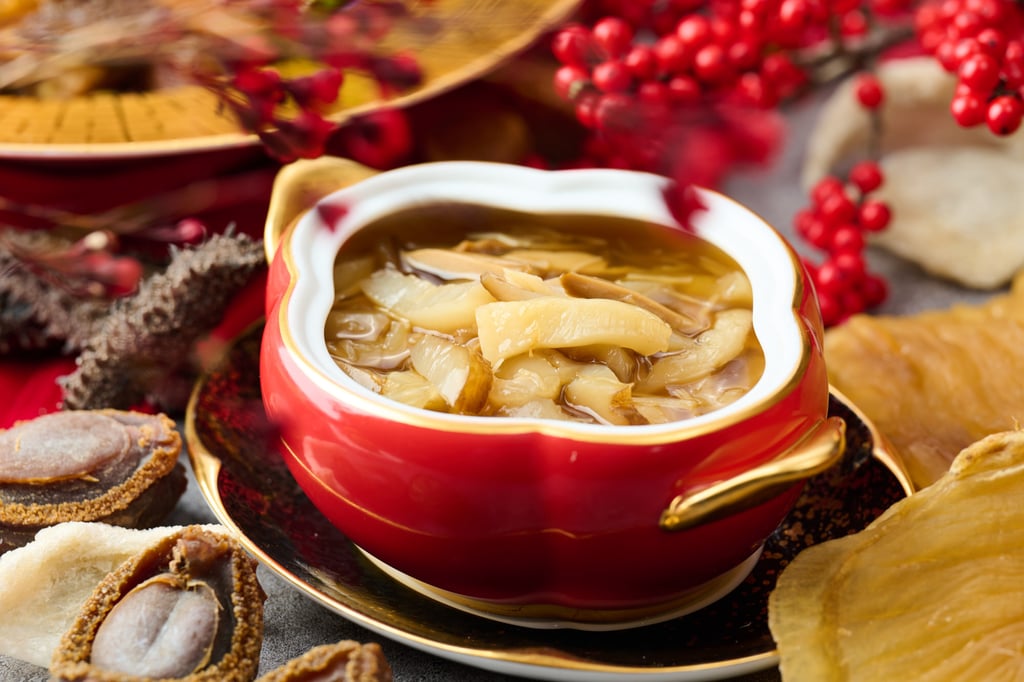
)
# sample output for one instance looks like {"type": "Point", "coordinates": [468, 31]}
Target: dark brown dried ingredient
{"type": "Point", "coordinates": [345, 661]}
{"type": "Point", "coordinates": [35, 313]}
{"type": "Point", "coordinates": [143, 349]}
{"type": "Point", "coordinates": [225, 593]}
{"type": "Point", "coordinates": [113, 466]}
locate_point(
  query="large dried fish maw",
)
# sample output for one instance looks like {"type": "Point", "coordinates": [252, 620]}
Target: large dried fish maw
{"type": "Point", "coordinates": [189, 608]}
{"type": "Point", "coordinates": [934, 382]}
{"type": "Point", "coordinates": [345, 661]}
{"type": "Point", "coordinates": [114, 466]}
{"type": "Point", "coordinates": [931, 591]}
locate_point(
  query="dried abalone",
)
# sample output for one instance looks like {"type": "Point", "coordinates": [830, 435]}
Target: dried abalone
{"type": "Point", "coordinates": [345, 661]}
{"type": "Point", "coordinates": [44, 584]}
{"type": "Point", "coordinates": [190, 607]}
{"type": "Point", "coordinates": [106, 465]}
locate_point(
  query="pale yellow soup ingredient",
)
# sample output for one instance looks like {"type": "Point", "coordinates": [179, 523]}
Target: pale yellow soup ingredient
{"type": "Point", "coordinates": [546, 325]}
{"type": "Point", "coordinates": [460, 375]}
{"type": "Point", "coordinates": [444, 308]}
{"type": "Point", "coordinates": [510, 328]}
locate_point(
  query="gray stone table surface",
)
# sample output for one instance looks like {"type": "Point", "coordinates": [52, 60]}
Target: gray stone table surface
{"type": "Point", "coordinates": [294, 623]}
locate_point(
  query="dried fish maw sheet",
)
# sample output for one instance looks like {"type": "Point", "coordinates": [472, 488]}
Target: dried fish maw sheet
{"type": "Point", "coordinates": [934, 382]}
{"type": "Point", "coordinates": [932, 590]}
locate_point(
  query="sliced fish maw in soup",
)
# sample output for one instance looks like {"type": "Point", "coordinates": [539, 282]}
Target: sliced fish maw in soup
{"type": "Point", "coordinates": [637, 323]}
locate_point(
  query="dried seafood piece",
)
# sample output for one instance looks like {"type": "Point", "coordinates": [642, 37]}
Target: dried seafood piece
{"type": "Point", "coordinates": [144, 347]}
{"type": "Point", "coordinates": [450, 265]}
{"type": "Point", "coordinates": [914, 114]}
{"type": "Point", "coordinates": [934, 382]}
{"type": "Point", "coordinates": [932, 590]}
{"type": "Point", "coordinates": [508, 328]}
{"type": "Point", "coordinates": [459, 375]}
{"type": "Point", "coordinates": [502, 288]}
{"type": "Point", "coordinates": [189, 607]}
{"type": "Point", "coordinates": [445, 307]}
{"type": "Point", "coordinates": [957, 212]}
{"type": "Point", "coordinates": [586, 286]}
{"type": "Point", "coordinates": [952, 189]}
{"type": "Point", "coordinates": [345, 661]}
{"type": "Point", "coordinates": [44, 584]}
{"type": "Point", "coordinates": [107, 465]}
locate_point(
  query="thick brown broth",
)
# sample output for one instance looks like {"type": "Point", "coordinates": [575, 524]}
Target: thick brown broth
{"type": "Point", "coordinates": [474, 310]}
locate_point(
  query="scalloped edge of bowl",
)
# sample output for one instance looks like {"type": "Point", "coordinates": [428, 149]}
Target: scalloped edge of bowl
{"type": "Point", "coordinates": [309, 248]}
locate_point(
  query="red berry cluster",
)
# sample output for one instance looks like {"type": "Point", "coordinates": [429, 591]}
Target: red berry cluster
{"type": "Point", "coordinates": [837, 223]}
{"type": "Point", "coordinates": [258, 94]}
{"type": "Point", "coordinates": [673, 88]}
{"type": "Point", "coordinates": [744, 51]}
{"type": "Point", "coordinates": [982, 42]}
{"type": "Point", "coordinates": [288, 113]}
{"type": "Point", "coordinates": [663, 87]}
{"type": "Point", "coordinates": [730, 52]}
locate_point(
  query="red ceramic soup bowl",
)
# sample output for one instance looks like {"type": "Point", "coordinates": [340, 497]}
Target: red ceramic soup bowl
{"type": "Point", "coordinates": [540, 522]}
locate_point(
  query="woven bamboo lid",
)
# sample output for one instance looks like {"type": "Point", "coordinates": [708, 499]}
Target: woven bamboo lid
{"type": "Point", "coordinates": [473, 37]}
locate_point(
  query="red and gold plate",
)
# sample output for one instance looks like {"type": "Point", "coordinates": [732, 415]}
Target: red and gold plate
{"type": "Point", "coordinates": [242, 475]}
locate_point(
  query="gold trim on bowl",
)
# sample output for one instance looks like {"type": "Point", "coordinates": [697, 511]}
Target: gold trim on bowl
{"type": "Point", "coordinates": [474, 37]}
{"type": "Point", "coordinates": [820, 448]}
{"type": "Point", "coordinates": [882, 449]}
{"type": "Point", "coordinates": [301, 184]}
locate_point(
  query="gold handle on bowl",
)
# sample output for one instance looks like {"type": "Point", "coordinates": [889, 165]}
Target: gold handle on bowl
{"type": "Point", "coordinates": [299, 185]}
{"type": "Point", "coordinates": [820, 448]}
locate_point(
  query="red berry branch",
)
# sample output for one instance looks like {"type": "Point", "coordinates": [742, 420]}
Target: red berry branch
{"type": "Point", "coordinates": [681, 87]}
{"type": "Point", "coordinates": [982, 42]}
{"type": "Point", "coordinates": [289, 113]}
{"type": "Point", "coordinates": [841, 216]}
{"type": "Point", "coordinates": [276, 65]}
{"type": "Point", "coordinates": [837, 224]}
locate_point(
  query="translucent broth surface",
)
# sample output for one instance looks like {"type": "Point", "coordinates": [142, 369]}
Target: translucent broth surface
{"type": "Point", "coordinates": [476, 310]}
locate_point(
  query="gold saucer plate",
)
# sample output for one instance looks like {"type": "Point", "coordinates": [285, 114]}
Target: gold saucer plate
{"type": "Point", "coordinates": [236, 459]}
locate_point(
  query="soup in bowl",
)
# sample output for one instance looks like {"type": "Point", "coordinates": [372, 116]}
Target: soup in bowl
{"type": "Point", "coordinates": [534, 396]}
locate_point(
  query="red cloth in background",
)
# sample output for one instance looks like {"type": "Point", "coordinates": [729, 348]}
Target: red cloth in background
{"type": "Point", "coordinates": [221, 188]}
{"type": "Point", "coordinates": [91, 185]}
{"type": "Point", "coordinates": [29, 387]}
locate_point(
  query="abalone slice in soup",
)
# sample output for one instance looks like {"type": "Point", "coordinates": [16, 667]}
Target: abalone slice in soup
{"type": "Point", "coordinates": [187, 608]}
{"type": "Point", "coordinates": [344, 661]}
{"type": "Point", "coordinates": [113, 466]}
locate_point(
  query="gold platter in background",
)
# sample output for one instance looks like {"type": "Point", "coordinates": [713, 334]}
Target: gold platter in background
{"type": "Point", "coordinates": [472, 37]}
